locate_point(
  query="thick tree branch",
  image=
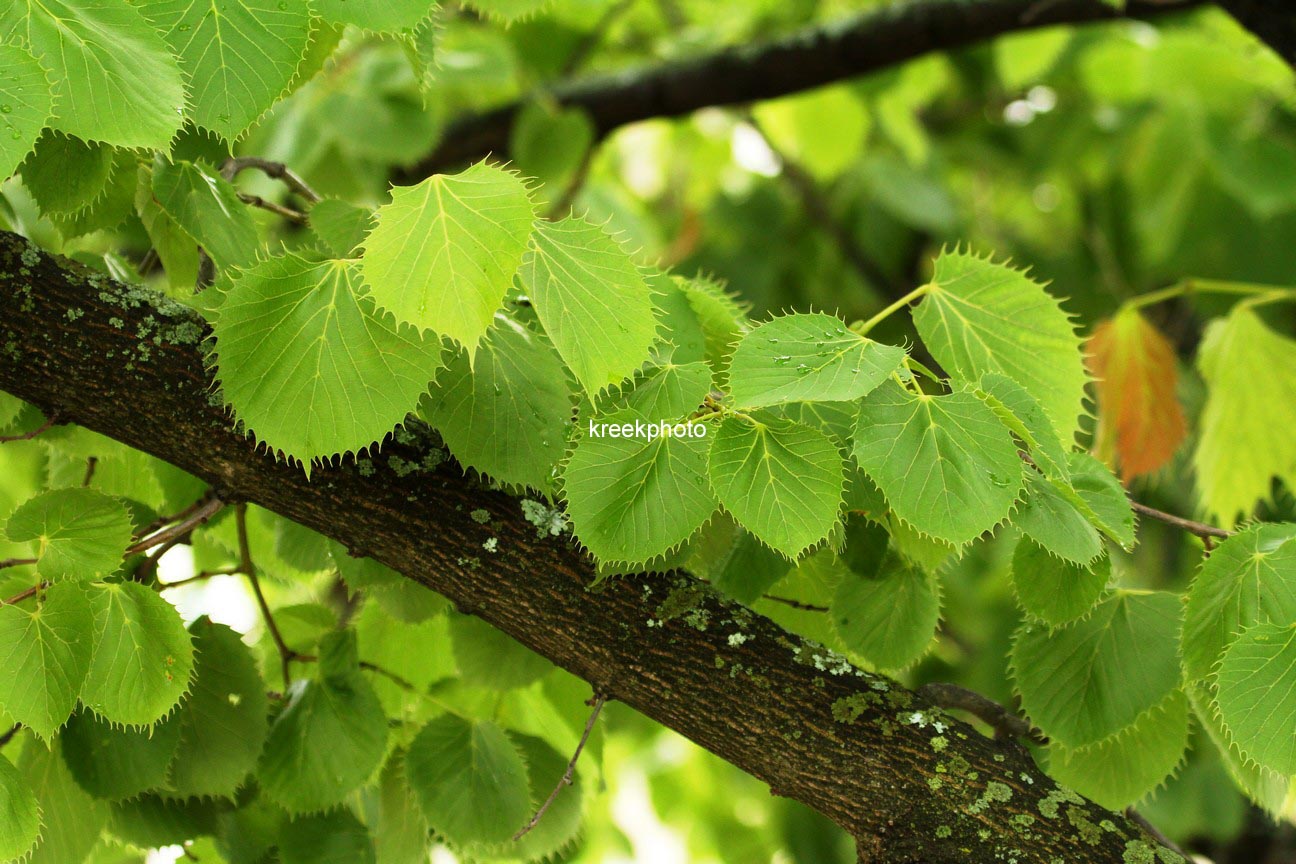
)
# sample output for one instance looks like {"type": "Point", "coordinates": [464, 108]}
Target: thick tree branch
{"type": "Point", "coordinates": [909, 782]}
{"type": "Point", "coordinates": [811, 58]}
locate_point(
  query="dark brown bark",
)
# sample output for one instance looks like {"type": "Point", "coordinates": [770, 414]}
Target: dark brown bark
{"type": "Point", "coordinates": [910, 783]}
{"type": "Point", "coordinates": [811, 58]}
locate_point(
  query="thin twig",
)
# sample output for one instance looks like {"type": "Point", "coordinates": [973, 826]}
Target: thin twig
{"type": "Point", "coordinates": [200, 514]}
{"type": "Point", "coordinates": [1199, 528]}
{"type": "Point", "coordinates": [199, 577]}
{"type": "Point", "coordinates": [1006, 724]}
{"type": "Point", "coordinates": [9, 736]}
{"type": "Point", "coordinates": [27, 436]}
{"type": "Point", "coordinates": [796, 604]}
{"type": "Point", "coordinates": [163, 521]}
{"type": "Point", "coordinates": [92, 462]}
{"type": "Point", "coordinates": [566, 780]}
{"type": "Point", "coordinates": [1139, 819]}
{"type": "Point", "coordinates": [248, 569]}
{"type": "Point", "coordinates": [23, 595]}
{"type": "Point", "coordinates": [16, 562]}
{"type": "Point", "coordinates": [273, 170]}
{"type": "Point", "coordinates": [277, 209]}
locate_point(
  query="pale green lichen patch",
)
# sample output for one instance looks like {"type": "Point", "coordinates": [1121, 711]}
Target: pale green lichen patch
{"type": "Point", "coordinates": [939, 743]}
{"type": "Point", "coordinates": [1050, 803]}
{"type": "Point", "coordinates": [995, 793]}
{"type": "Point", "coordinates": [849, 708]}
{"type": "Point", "coordinates": [480, 516]}
{"type": "Point", "coordinates": [1088, 831]}
{"type": "Point", "coordinates": [943, 831]}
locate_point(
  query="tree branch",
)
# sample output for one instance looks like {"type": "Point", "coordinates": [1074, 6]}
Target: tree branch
{"type": "Point", "coordinates": [748, 73]}
{"type": "Point", "coordinates": [855, 746]}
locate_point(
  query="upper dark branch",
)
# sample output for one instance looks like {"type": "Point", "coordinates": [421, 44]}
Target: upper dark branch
{"type": "Point", "coordinates": [801, 61]}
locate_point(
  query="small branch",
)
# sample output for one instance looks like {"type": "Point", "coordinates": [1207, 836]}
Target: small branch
{"type": "Point", "coordinates": [796, 604]}
{"type": "Point", "coordinates": [277, 209]}
{"type": "Point", "coordinates": [197, 516]}
{"type": "Point", "coordinates": [16, 562]}
{"type": "Point", "coordinates": [199, 577]}
{"type": "Point", "coordinates": [566, 780]}
{"type": "Point", "coordinates": [1138, 819]}
{"type": "Point", "coordinates": [248, 569]}
{"type": "Point", "coordinates": [1199, 528]}
{"type": "Point", "coordinates": [273, 170]}
{"type": "Point", "coordinates": [1006, 724]}
{"type": "Point", "coordinates": [23, 595]}
{"type": "Point", "coordinates": [91, 463]}
{"type": "Point", "coordinates": [27, 436]}
{"type": "Point", "coordinates": [9, 735]}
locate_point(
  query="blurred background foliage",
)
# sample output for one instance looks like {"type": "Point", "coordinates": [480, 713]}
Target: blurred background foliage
{"type": "Point", "coordinates": [1113, 159]}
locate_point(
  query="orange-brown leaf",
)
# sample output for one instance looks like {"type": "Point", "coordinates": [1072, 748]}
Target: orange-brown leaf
{"type": "Point", "coordinates": [1140, 421]}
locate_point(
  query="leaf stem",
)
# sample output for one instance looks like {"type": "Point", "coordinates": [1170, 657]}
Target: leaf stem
{"type": "Point", "coordinates": [27, 436]}
{"type": "Point", "coordinates": [248, 569]}
{"type": "Point", "coordinates": [1198, 528]}
{"type": "Point", "coordinates": [918, 293]}
{"type": "Point", "coordinates": [1272, 293]}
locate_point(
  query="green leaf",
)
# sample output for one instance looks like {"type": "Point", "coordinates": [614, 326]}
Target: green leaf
{"type": "Point", "coordinates": [507, 411]}
{"type": "Point", "coordinates": [487, 657]}
{"type": "Point", "coordinates": [669, 391]}
{"type": "Point", "coordinates": [470, 780]}
{"type": "Point", "coordinates": [946, 464]}
{"type": "Point", "coordinates": [1094, 677]}
{"type": "Point", "coordinates": [1122, 769]}
{"type": "Point", "coordinates": [29, 101]}
{"type": "Point", "coordinates": [330, 738]}
{"type": "Point", "coordinates": [401, 835]}
{"type": "Point", "coordinates": [177, 251]}
{"type": "Point", "coordinates": [592, 299]}
{"type": "Point", "coordinates": [1266, 788]}
{"type": "Point", "coordinates": [142, 659]}
{"type": "Point", "coordinates": [20, 817]}
{"type": "Point", "coordinates": [222, 723]}
{"type": "Point", "coordinates": [1249, 579]}
{"type": "Point", "coordinates": [1101, 497]}
{"type": "Point", "coordinates": [113, 78]}
{"type": "Point", "coordinates": [808, 358]}
{"type": "Point", "coordinates": [561, 822]}
{"type": "Point", "coordinates": [362, 573]}
{"type": "Point", "coordinates": [1050, 518]}
{"type": "Point", "coordinates": [76, 533]}
{"type": "Point", "coordinates": [1250, 372]}
{"type": "Point", "coordinates": [445, 250]}
{"type": "Point", "coordinates": [721, 316]}
{"type": "Point", "coordinates": [113, 206]}
{"type": "Point", "coordinates": [337, 837]}
{"type": "Point", "coordinates": [71, 820]}
{"type": "Point", "coordinates": [45, 655]}
{"type": "Point", "coordinates": [890, 618]}
{"type": "Point", "coordinates": [780, 480]}
{"type": "Point", "coordinates": [550, 143]}
{"type": "Point", "coordinates": [340, 226]}
{"type": "Point", "coordinates": [238, 57]}
{"type": "Point", "coordinates": [377, 15]}
{"type": "Point", "coordinates": [1052, 589]}
{"type": "Point", "coordinates": [65, 174]}
{"type": "Point", "coordinates": [1257, 695]}
{"type": "Point", "coordinates": [1025, 418]}
{"type": "Point", "coordinates": [115, 762]}
{"type": "Point", "coordinates": [980, 317]}
{"type": "Point", "coordinates": [633, 498]}
{"type": "Point", "coordinates": [153, 820]}
{"type": "Point", "coordinates": [208, 208]}
{"type": "Point", "coordinates": [509, 10]}
{"type": "Point", "coordinates": [308, 364]}
{"type": "Point", "coordinates": [735, 562]}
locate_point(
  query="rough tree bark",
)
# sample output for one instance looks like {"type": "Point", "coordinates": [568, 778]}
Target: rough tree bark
{"type": "Point", "coordinates": [811, 58]}
{"type": "Point", "coordinates": [908, 781]}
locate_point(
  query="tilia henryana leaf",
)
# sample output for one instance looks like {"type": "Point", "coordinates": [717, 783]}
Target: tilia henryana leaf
{"type": "Point", "coordinates": [946, 464]}
{"type": "Point", "coordinates": [1050, 517]}
{"type": "Point", "coordinates": [71, 820]}
{"type": "Point", "coordinates": [1119, 770]}
{"type": "Point", "coordinates": [1025, 418]}
{"type": "Point", "coordinates": [807, 358]}
{"type": "Point", "coordinates": [76, 533]}
{"type": "Point", "coordinates": [669, 391]}
{"type": "Point", "coordinates": [1140, 422]}
{"type": "Point", "coordinates": [888, 618]}
{"type": "Point", "coordinates": [331, 736]}
{"type": "Point", "coordinates": [29, 100]}
{"type": "Point", "coordinates": [1096, 676]}
{"type": "Point", "coordinates": [45, 653]}
{"type": "Point", "coordinates": [592, 300]}
{"type": "Point", "coordinates": [114, 79]}
{"type": "Point", "coordinates": [336, 837]}
{"type": "Point", "coordinates": [979, 317]}
{"type": "Point", "coordinates": [444, 251]}
{"type": "Point", "coordinates": [309, 365]}
{"type": "Point", "coordinates": [780, 480]}
{"type": "Point", "coordinates": [470, 780]}
{"type": "Point", "coordinates": [1251, 374]}
{"type": "Point", "coordinates": [1055, 590]}
{"type": "Point", "coordinates": [507, 412]}
{"type": "Point", "coordinates": [1097, 493]}
{"type": "Point", "coordinates": [1257, 695]}
{"type": "Point", "coordinates": [1249, 579]}
{"type": "Point", "coordinates": [20, 822]}
{"type": "Point", "coordinates": [65, 174]}
{"type": "Point", "coordinates": [142, 655]}
{"type": "Point", "coordinates": [115, 762]}
{"type": "Point", "coordinates": [222, 722]}
{"type": "Point", "coordinates": [208, 208]}
{"type": "Point", "coordinates": [633, 498]}
{"type": "Point", "coordinates": [238, 57]}
{"type": "Point", "coordinates": [378, 15]}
